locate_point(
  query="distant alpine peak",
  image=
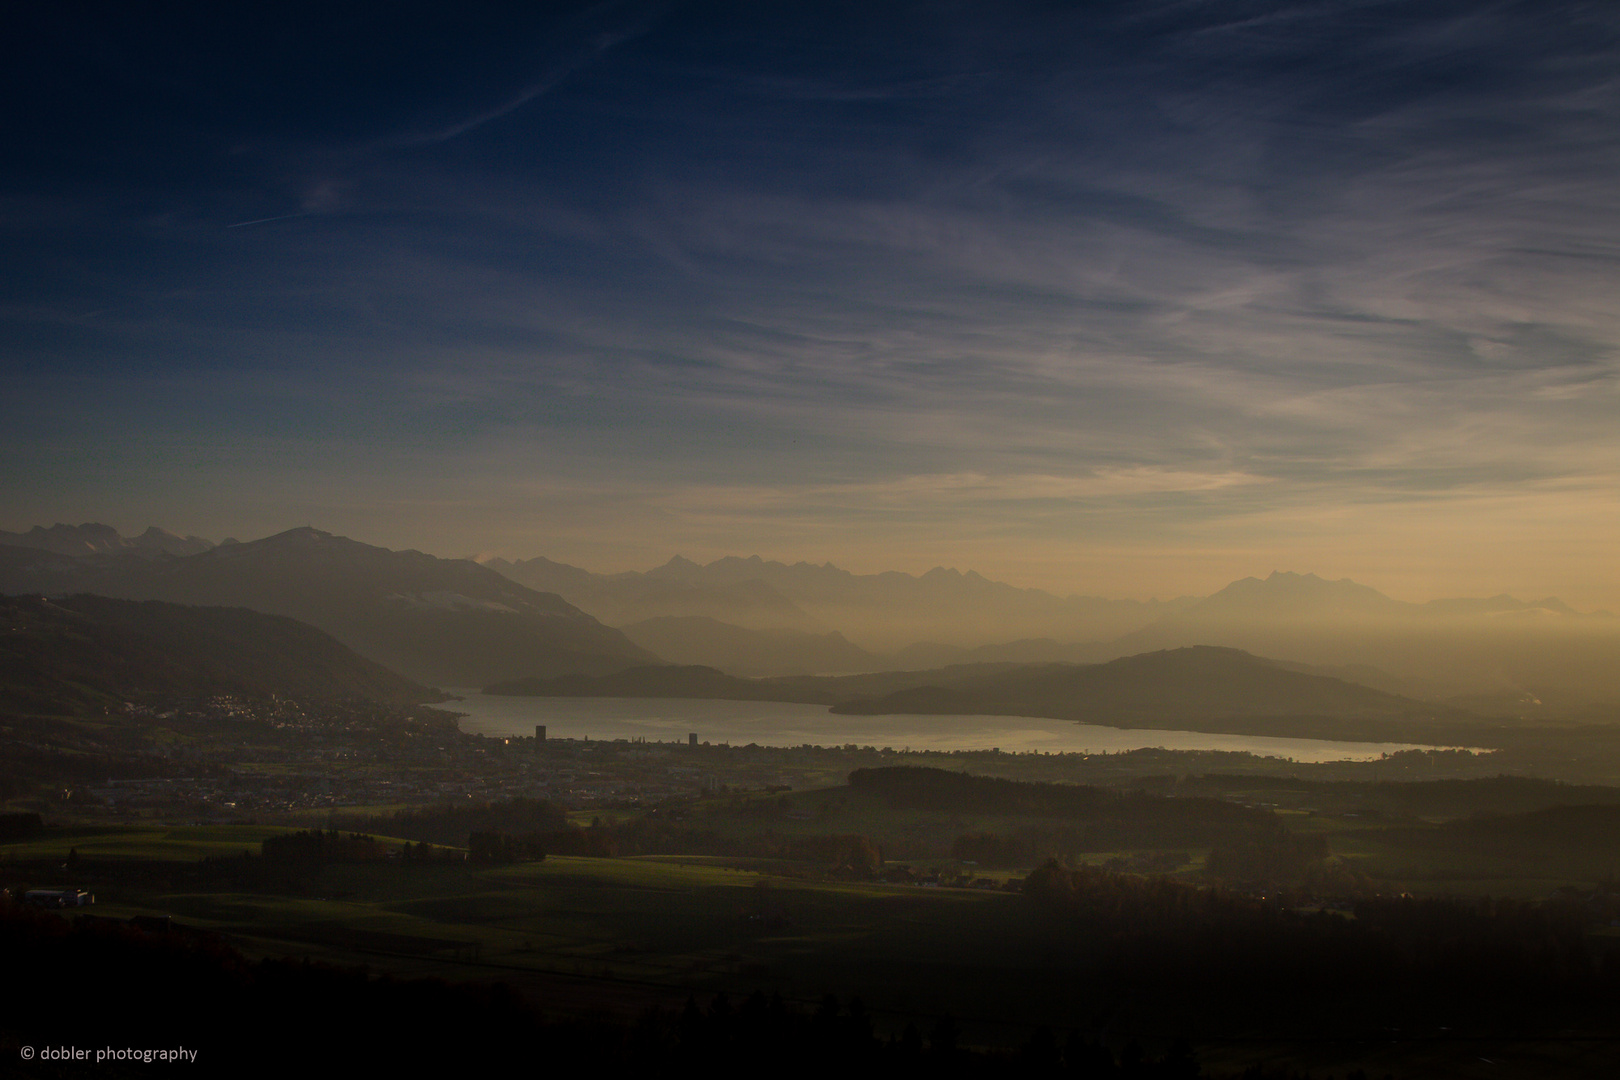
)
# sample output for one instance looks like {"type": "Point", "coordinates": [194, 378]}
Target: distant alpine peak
{"type": "Point", "coordinates": [94, 538]}
{"type": "Point", "coordinates": [1289, 577]}
{"type": "Point", "coordinates": [679, 568]}
{"type": "Point", "coordinates": [307, 537]}
{"type": "Point", "coordinates": [1285, 590]}
{"type": "Point", "coordinates": [303, 534]}
{"type": "Point", "coordinates": [86, 539]}
{"type": "Point", "coordinates": [155, 539]}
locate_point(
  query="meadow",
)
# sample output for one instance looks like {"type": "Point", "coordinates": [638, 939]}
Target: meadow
{"type": "Point", "coordinates": [1164, 951]}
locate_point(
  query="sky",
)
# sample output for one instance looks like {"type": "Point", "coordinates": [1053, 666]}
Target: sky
{"type": "Point", "coordinates": [1122, 299]}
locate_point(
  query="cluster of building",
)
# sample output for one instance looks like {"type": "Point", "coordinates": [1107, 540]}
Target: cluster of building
{"type": "Point", "coordinates": [231, 758]}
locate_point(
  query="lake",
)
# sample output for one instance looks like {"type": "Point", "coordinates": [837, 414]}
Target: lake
{"type": "Point", "coordinates": [776, 723]}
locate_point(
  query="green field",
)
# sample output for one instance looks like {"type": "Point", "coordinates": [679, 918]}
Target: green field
{"type": "Point", "coordinates": [587, 937]}
{"type": "Point", "coordinates": [176, 843]}
{"type": "Point", "coordinates": [595, 933]}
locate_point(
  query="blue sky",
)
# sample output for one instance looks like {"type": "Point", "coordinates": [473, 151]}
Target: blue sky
{"type": "Point", "coordinates": [1128, 299]}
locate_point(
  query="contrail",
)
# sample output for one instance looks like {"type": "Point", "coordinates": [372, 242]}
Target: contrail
{"type": "Point", "coordinates": [261, 221]}
{"type": "Point", "coordinates": [561, 72]}
{"type": "Point", "coordinates": [446, 134]}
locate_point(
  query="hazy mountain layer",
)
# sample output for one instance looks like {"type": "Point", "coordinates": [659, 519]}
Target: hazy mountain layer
{"type": "Point", "coordinates": [930, 654]}
{"type": "Point", "coordinates": [705, 682]}
{"type": "Point", "coordinates": [1531, 659]}
{"type": "Point", "coordinates": [776, 652]}
{"type": "Point", "coordinates": [1508, 657]}
{"type": "Point", "coordinates": [447, 622]}
{"type": "Point", "coordinates": [1306, 595]}
{"type": "Point", "coordinates": [79, 654]}
{"type": "Point", "coordinates": [741, 651]}
{"type": "Point", "coordinates": [93, 539]}
{"type": "Point", "coordinates": [1528, 658]}
{"type": "Point", "coordinates": [881, 612]}
{"type": "Point", "coordinates": [623, 599]}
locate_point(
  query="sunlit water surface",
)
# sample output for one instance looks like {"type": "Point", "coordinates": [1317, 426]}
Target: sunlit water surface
{"type": "Point", "coordinates": [776, 723]}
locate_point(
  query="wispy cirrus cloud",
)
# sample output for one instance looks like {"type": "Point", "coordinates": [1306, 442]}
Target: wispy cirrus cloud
{"type": "Point", "coordinates": [1153, 273]}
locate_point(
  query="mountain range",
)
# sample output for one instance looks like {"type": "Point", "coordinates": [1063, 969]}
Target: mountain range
{"type": "Point", "coordinates": [1507, 656]}
{"type": "Point", "coordinates": [456, 622]}
{"type": "Point", "coordinates": [880, 612]}
{"type": "Point", "coordinates": [445, 622]}
{"type": "Point", "coordinates": [1504, 655]}
{"type": "Point", "coordinates": [94, 539]}
{"type": "Point", "coordinates": [697, 639]}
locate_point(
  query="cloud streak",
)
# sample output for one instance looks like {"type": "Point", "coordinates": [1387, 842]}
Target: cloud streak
{"type": "Point", "coordinates": [599, 40]}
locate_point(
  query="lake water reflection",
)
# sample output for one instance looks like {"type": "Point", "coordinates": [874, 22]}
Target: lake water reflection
{"type": "Point", "coordinates": [775, 723]}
